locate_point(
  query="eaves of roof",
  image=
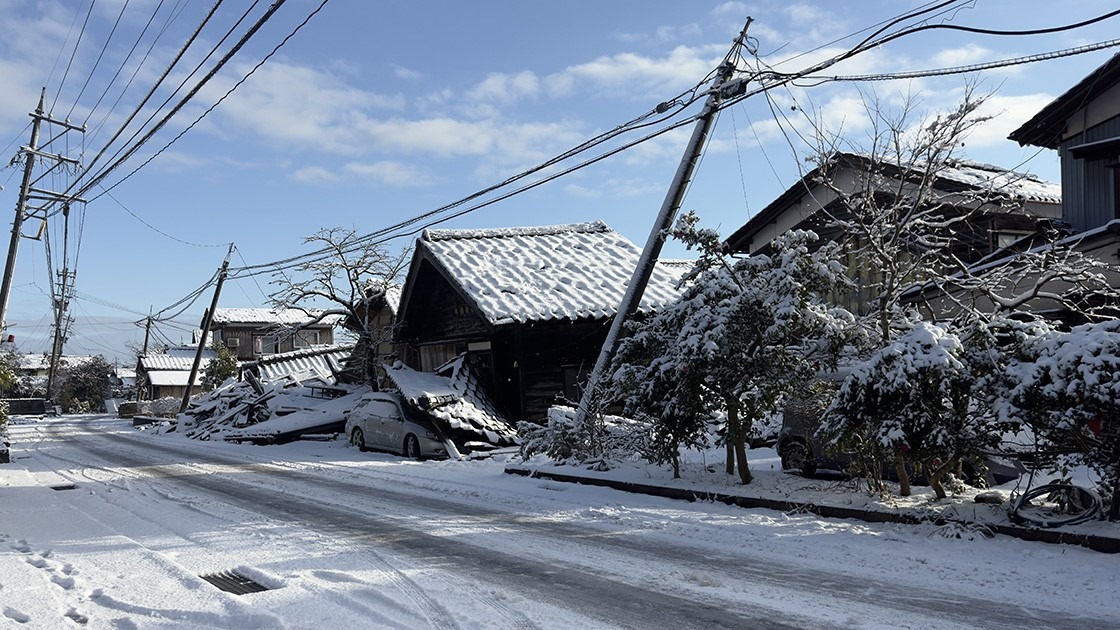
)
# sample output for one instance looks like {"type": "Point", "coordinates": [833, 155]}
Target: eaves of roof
{"type": "Point", "coordinates": [1045, 129]}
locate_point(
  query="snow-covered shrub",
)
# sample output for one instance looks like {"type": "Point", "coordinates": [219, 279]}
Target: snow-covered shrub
{"type": "Point", "coordinates": [1067, 388]}
{"type": "Point", "coordinates": [563, 440]}
{"type": "Point", "coordinates": [744, 333]}
{"type": "Point", "coordinates": [910, 404]}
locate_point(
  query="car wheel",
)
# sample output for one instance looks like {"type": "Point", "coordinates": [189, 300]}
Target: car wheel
{"type": "Point", "coordinates": [793, 453]}
{"type": "Point", "coordinates": [411, 447]}
{"type": "Point", "coordinates": [358, 439]}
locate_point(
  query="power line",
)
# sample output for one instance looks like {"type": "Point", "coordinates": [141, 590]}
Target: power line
{"type": "Point", "coordinates": [224, 96]}
{"type": "Point", "coordinates": [97, 61]}
{"type": "Point", "coordinates": [69, 63]}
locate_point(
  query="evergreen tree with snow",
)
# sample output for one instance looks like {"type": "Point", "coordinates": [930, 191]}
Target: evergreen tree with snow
{"type": "Point", "coordinates": [743, 335]}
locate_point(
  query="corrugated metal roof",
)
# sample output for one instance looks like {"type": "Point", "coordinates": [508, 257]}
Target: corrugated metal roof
{"type": "Point", "coordinates": [283, 317]}
{"type": "Point", "coordinates": [175, 359]}
{"type": "Point", "coordinates": [573, 271]}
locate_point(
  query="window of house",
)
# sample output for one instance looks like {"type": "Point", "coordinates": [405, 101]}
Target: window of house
{"type": "Point", "coordinates": [264, 344]}
{"type": "Point", "coordinates": [305, 338]}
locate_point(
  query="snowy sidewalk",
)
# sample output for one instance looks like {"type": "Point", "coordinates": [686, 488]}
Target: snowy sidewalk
{"type": "Point", "coordinates": [809, 498]}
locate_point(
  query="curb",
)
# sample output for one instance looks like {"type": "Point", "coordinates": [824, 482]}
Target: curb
{"type": "Point", "coordinates": [1102, 544]}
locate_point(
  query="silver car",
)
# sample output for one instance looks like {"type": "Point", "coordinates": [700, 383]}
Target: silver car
{"type": "Point", "coordinates": [382, 421]}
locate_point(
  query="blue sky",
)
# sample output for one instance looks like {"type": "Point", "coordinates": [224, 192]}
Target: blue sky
{"type": "Point", "coordinates": [379, 111]}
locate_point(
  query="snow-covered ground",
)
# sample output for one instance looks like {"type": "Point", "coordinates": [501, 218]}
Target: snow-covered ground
{"type": "Point", "coordinates": [349, 539]}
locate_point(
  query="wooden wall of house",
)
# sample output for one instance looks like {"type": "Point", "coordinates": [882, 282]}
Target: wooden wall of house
{"type": "Point", "coordinates": [1088, 187]}
{"type": "Point", "coordinates": [245, 349]}
{"type": "Point", "coordinates": [534, 364]}
{"type": "Point", "coordinates": [438, 313]}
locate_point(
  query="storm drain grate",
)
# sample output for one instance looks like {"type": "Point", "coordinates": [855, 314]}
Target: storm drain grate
{"type": "Point", "coordinates": [235, 583]}
{"type": "Point", "coordinates": [65, 486]}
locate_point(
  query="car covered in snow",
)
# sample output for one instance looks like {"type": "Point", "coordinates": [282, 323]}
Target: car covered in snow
{"type": "Point", "coordinates": [383, 421]}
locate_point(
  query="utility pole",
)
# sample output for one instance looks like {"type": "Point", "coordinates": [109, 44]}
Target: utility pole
{"type": "Point", "coordinates": [26, 192]}
{"type": "Point", "coordinates": [721, 88]}
{"type": "Point", "coordinates": [206, 321]}
{"type": "Point", "coordinates": [61, 304]}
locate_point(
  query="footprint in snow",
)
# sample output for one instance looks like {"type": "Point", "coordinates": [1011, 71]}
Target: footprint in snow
{"type": "Point", "coordinates": [38, 563]}
{"type": "Point", "coordinates": [77, 617]}
{"type": "Point", "coordinates": [22, 546]}
{"type": "Point", "coordinates": [65, 582]}
{"type": "Point", "coordinates": [15, 615]}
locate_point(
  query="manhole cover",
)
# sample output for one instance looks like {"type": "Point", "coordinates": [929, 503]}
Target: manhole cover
{"type": "Point", "coordinates": [235, 583]}
{"type": "Point", "coordinates": [65, 486]}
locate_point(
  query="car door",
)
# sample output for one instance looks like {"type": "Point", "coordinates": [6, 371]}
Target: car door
{"type": "Point", "coordinates": [384, 418]}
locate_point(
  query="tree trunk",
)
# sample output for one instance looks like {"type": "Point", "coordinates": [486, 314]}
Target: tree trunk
{"type": "Point", "coordinates": [737, 436]}
{"type": "Point", "coordinates": [729, 450]}
{"type": "Point", "coordinates": [676, 462]}
{"type": "Point", "coordinates": [903, 476]}
{"type": "Point", "coordinates": [937, 474]}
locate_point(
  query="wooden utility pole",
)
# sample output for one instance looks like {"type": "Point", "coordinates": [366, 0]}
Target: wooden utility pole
{"type": "Point", "coordinates": [669, 208]}
{"type": "Point", "coordinates": [26, 192]}
{"type": "Point", "coordinates": [206, 321]}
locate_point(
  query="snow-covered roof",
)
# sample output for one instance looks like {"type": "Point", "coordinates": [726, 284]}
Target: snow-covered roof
{"type": "Point", "coordinates": [32, 362]}
{"type": "Point", "coordinates": [323, 362]}
{"type": "Point", "coordinates": [572, 271]}
{"type": "Point", "coordinates": [458, 400]}
{"type": "Point", "coordinates": [1013, 184]}
{"type": "Point", "coordinates": [178, 358]}
{"type": "Point", "coordinates": [172, 378]}
{"type": "Point", "coordinates": [279, 317]}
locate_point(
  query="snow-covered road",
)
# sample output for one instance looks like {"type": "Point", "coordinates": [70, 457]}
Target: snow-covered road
{"type": "Point", "coordinates": [345, 538]}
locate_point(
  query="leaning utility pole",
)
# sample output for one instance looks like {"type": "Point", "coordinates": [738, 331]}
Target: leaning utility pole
{"type": "Point", "coordinates": [206, 321]}
{"type": "Point", "coordinates": [61, 305]}
{"type": "Point", "coordinates": [721, 88]}
{"type": "Point", "coordinates": [26, 192]}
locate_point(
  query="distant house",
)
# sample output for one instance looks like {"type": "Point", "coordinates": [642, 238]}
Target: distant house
{"type": "Point", "coordinates": [1018, 205]}
{"type": "Point", "coordinates": [255, 332]}
{"type": "Point", "coordinates": [377, 314]}
{"type": "Point", "coordinates": [530, 307]}
{"type": "Point", "coordinates": [165, 373]}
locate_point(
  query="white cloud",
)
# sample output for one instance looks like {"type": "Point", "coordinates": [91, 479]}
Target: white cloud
{"type": "Point", "coordinates": [402, 72]}
{"type": "Point", "coordinates": [616, 188]}
{"type": "Point", "coordinates": [730, 9]}
{"type": "Point", "coordinates": [968, 54]}
{"type": "Point", "coordinates": [314, 175]}
{"type": "Point", "coordinates": [301, 106]}
{"type": "Point", "coordinates": [506, 88]}
{"type": "Point", "coordinates": [1008, 114]}
{"type": "Point", "coordinates": [390, 173]}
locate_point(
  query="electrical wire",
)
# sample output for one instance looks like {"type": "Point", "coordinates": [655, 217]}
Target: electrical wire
{"type": "Point", "coordinates": [124, 62]}
{"type": "Point", "coordinates": [220, 100]}
{"type": "Point", "coordinates": [100, 56]}
{"type": "Point", "coordinates": [154, 228]}
{"type": "Point", "coordinates": [69, 63]}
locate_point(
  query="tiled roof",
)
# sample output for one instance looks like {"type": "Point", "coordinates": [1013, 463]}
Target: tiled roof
{"type": "Point", "coordinates": [458, 400]}
{"type": "Point", "coordinates": [282, 317]}
{"type": "Point", "coordinates": [545, 273]}
{"type": "Point", "coordinates": [1012, 184]}
{"type": "Point", "coordinates": [324, 362]}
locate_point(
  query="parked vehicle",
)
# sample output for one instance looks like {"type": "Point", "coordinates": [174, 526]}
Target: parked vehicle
{"type": "Point", "coordinates": [803, 452]}
{"type": "Point", "coordinates": [383, 421]}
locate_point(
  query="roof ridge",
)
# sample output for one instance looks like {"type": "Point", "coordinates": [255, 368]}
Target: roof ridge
{"type": "Point", "coordinates": [589, 227]}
